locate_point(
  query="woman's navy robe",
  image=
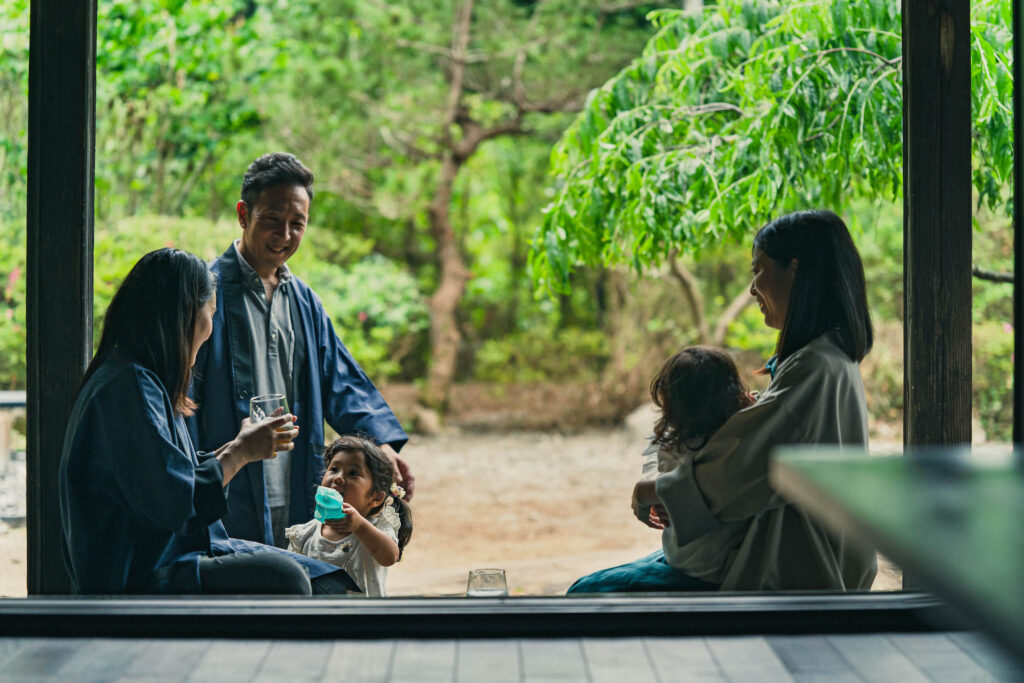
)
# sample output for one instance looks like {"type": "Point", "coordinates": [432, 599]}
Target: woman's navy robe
{"type": "Point", "coordinates": [138, 509]}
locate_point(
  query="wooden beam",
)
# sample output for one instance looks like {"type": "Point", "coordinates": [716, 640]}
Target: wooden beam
{"type": "Point", "coordinates": [937, 221]}
{"type": "Point", "coordinates": [61, 147]}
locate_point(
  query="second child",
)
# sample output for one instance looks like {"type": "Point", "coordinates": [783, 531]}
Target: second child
{"type": "Point", "coordinates": [697, 390]}
{"type": "Point", "coordinates": [377, 522]}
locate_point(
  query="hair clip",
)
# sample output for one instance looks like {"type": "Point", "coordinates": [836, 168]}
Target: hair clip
{"type": "Point", "coordinates": [397, 491]}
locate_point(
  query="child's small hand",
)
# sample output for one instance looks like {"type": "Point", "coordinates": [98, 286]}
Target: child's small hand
{"type": "Point", "coordinates": [349, 523]}
{"type": "Point", "coordinates": [658, 517]}
{"type": "Point", "coordinates": [645, 496]}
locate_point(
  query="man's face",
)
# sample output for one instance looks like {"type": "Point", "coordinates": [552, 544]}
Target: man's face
{"type": "Point", "coordinates": [273, 226]}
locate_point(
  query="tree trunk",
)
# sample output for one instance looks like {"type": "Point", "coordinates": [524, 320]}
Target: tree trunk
{"type": "Point", "coordinates": [731, 312]}
{"type": "Point", "coordinates": [691, 290]}
{"type": "Point", "coordinates": [452, 272]}
{"type": "Point", "coordinates": [517, 249]}
{"type": "Point", "coordinates": [453, 275]}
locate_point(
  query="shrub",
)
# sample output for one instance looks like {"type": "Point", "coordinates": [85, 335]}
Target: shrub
{"type": "Point", "coordinates": [993, 379]}
{"type": "Point", "coordinates": [543, 354]}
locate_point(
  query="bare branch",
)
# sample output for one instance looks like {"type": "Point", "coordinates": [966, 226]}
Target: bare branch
{"type": "Point", "coordinates": [460, 41]}
{"type": "Point", "coordinates": [570, 101]}
{"type": "Point", "coordinates": [731, 312]}
{"type": "Point", "coordinates": [518, 94]}
{"type": "Point", "coordinates": [691, 290]}
{"type": "Point", "coordinates": [426, 47]}
{"type": "Point", "coordinates": [710, 108]}
{"type": "Point", "coordinates": [821, 133]}
{"type": "Point", "coordinates": [623, 6]}
{"type": "Point", "coordinates": [399, 139]}
{"type": "Point", "coordinates": [470, 57]}
{"type": "Point", "coordinates": [474, 134]}
{"type": "Point", "coordinates": [832, 50]}
{"type": "Point", "coordinates": [991, 275]}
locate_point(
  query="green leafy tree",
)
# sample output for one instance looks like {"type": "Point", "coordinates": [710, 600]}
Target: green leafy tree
{"type": "Point", "coordinates": [13, 186]}
{"type": "Point", "coordinates": [418, 89]}
{"type": "Point", "coordinates": [747, 110]}
{"type": "Point", "coordinates": [174, 86]}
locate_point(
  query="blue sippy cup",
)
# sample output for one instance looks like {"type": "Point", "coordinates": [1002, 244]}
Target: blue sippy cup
{"type": "Point", "coordinates": [328, 504]}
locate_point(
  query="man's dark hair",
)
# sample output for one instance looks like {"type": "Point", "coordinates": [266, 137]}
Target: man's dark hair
{"type": "Point", "coordinates": [152, 318]}
{"type": "Point", "coordinates": [271, 170]}
{"type": "Point", "coordinates": [828, 289]}
{"type": "Point", "coordinates": [697, 390]}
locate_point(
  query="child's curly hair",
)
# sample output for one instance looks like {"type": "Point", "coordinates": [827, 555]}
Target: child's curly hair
{"type": "Point", "coordinates": [697, 389]}
{"type": "Point", "coordinates": [382, 474]}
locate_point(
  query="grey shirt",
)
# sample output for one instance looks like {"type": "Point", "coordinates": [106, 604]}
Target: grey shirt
{"type": "Point", "coordinates": [274, 341]}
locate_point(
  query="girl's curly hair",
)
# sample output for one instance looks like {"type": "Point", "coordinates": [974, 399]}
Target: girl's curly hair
{"type": "Point", "coordinates": [697, 389]}
{"type": "Point", "coordinates": [382, 473]}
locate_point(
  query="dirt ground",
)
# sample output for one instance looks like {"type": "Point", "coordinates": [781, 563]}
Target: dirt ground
{"type": "Point", "coordinates": [546, 507]}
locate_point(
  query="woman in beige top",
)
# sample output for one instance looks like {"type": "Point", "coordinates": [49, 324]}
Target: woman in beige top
{"type": "Point", "coordinates": [809, 284]}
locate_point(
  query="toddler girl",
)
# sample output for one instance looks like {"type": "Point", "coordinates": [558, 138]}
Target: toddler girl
{"type": "Point", "coordinates": [377, 522]}
{"type": "Point", "coordinates": [697, 390]}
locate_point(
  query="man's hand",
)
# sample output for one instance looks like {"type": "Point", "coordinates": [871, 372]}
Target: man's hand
{"type": "Point", "coordinates": [403, 475]}
{"type": "Point", "coordinates": [644, 498]}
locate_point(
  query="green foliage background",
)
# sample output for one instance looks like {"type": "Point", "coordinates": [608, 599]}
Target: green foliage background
{"type": "Point", "coordinates": [747, 111]}
{"type": "Point", "coordinates": [699, 128]}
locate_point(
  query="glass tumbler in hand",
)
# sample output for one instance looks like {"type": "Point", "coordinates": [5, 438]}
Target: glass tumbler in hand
{"type": "Point", "coordinates": [267, 406]}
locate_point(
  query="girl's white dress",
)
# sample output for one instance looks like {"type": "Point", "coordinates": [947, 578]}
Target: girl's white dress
{"type": "Point", "coordinates": [348, 553]}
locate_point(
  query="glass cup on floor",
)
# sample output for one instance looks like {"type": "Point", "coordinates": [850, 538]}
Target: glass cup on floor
{"type": "Point", "coordinates": [486, 583]}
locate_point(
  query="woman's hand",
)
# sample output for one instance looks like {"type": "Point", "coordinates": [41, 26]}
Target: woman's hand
{"type": "Point", "coordinates": [257, 442]}
{"type": "Point", "coordinates": [266, 439]}
{"type": "Point", "coordinates": [645, 496]}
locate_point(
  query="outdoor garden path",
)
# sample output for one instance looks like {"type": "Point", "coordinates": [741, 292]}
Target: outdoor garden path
{"type": "Point", "coordinates": [546, 507]}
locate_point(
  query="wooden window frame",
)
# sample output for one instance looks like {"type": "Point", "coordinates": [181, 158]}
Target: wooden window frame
{"type": "Point", "coordinates": [60, 231]}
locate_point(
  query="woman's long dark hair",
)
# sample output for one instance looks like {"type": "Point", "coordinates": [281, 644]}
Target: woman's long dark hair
{"type": "Point", "coordinates": [383, 474]}
{"type": "Point", "coordinates": [828, 289]}
{"type": "Point", "coordinates": [152, 318]}
{"type": "Point", "coordinates": [697, 389]}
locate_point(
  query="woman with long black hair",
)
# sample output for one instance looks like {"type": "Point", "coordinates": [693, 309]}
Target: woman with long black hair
{"type": "Point", "coordinates": [808, 280]}
{"type": "Point", "coordinates": [140, 508]}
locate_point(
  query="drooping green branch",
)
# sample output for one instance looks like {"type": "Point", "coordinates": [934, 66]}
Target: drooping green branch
{"type": "Point", "coordinates": [747, 110]}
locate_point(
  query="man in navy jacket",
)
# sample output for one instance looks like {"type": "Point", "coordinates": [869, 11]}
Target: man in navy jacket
{"type": "Point", "coordinates": [272, 335]}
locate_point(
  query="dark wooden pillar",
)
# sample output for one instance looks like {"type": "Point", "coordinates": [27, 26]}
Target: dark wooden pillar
{"type": "Point", "coordinates": [61, 118]}
{"type": "Point", "coordinates": [1018, 216]}
{"type": "Point", "coordinates": [937, 221]}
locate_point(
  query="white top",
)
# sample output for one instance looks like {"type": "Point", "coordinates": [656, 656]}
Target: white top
{"type": "Point", "coordinates": [348, 553]}
{"type": "Point", "coordinates": [705, 557]}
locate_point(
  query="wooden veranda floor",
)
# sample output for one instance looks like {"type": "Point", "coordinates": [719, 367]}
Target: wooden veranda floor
{"type": "Point", "coordinates": [871, 657]}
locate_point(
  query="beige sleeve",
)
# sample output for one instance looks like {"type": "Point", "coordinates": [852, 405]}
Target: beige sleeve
{"type": "Point", "coordinates": [728, 479]}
